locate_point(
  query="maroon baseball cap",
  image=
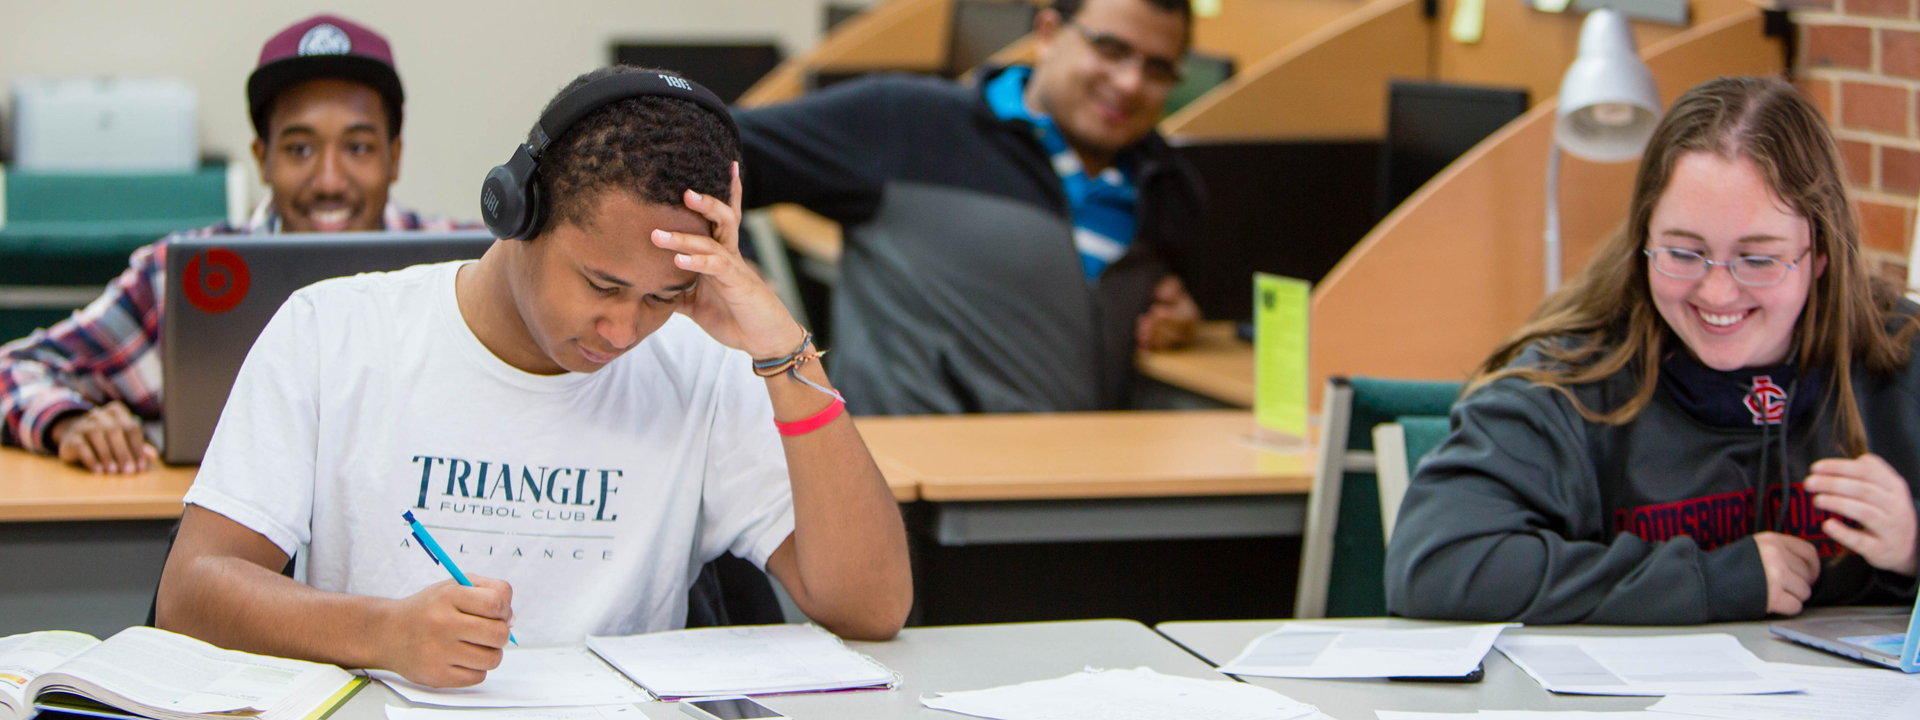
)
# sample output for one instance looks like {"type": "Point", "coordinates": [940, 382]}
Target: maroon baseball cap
{"type": "Point", "coordinates": [324, 46]}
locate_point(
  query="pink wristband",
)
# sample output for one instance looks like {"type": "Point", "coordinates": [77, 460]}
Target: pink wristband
{"type": "Point", "coordinates": [819, 420]}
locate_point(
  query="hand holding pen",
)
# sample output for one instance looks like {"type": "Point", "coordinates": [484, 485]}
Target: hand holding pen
{"type": "Point", "coordinates": [450, 633]}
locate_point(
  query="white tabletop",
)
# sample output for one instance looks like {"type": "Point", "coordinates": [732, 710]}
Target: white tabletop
{"type": "Point", "coordinates": [942, 659]}
{"type": "Point", "coordinates": [1506, 686]}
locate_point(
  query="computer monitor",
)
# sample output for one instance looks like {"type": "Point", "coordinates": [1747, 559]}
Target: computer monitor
{"type": "Point", "coordinates": [222, 290]}
{"type": "Point", "coordinates": [1199, 73]}
{"type": "Point", "coordinates": [837, 13]}
{"type": "Point", "coordinates": [983, 27]}
{"type": "Point", "coordinates": [1429, 125]}
{"type": "Point", "coordinates": [728, 69]}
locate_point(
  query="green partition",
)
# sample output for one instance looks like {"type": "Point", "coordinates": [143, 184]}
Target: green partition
{"type": "Point", "coordinates": [77, 229]}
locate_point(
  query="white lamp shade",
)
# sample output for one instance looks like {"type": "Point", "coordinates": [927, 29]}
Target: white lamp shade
{"type": "Point", "coordinates": [1609, 104]}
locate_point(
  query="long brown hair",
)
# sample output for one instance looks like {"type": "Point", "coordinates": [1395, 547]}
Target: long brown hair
{"type": "Point", "coordinates": [1604, 320]}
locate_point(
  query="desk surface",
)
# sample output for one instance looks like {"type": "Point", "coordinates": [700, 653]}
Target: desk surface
{"type": "Point", "coordinates": [1506, 687]}
{"type": "Point", "coordinates": [946, 457]}
{"type": "Point", "coordinates": [34, 487]}
{"type": "Point", "coordinates": [943, 659]}
{"type": "Point", "coordinates": [1217, 364]}
{"type": "Point", "coordinates": [1085, 455]}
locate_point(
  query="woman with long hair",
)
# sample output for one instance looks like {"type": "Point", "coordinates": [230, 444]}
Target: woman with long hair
{"type": "Point", "coordinates": [1717, 420]}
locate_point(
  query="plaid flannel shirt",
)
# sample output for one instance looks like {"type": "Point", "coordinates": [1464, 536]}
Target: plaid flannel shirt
{"type": "Point", "coordinates": [109, 350]}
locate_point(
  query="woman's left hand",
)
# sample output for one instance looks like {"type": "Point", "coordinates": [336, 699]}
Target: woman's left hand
{"type": "Point", "coordinates": [1870, 492]}
{"type": "Point", "coordinates": [732, 303]}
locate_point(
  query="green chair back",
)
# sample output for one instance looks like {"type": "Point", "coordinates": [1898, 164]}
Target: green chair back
{"type": "Point", "coordinates": [1355, 579]}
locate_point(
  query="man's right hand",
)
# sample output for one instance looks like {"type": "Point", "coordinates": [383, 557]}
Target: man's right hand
{"type": "Point", "coordinates": [1791, 564]}
{"type": "Point", "coordinates": [106, 439]}
{"type": "Point", "coordinates": [449, 635]}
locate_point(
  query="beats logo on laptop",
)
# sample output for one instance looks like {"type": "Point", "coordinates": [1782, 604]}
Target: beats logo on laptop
{"type": "Point", "coordinates": [216, 280]}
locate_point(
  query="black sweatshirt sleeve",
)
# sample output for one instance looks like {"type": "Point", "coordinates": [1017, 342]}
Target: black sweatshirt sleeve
{"type": "Point", "coordinates": [823, 151]}
{"type": "Point", "coordinates": [1503, 522]}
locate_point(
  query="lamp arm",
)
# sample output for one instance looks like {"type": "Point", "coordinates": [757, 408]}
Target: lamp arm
{"type": "Point", "coordinates": [1553, 220]}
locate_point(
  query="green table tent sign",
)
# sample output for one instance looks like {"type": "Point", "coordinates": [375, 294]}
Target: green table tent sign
{"type": "Point", "coordinates": [1280, 352]}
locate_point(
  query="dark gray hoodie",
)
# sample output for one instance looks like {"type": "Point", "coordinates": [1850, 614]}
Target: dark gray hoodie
{"type": "Point", "coordinates": [1529, 512]}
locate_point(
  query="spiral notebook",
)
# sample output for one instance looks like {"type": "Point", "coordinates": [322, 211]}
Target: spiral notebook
{"type": "Point", "coordinates": [743, 660]}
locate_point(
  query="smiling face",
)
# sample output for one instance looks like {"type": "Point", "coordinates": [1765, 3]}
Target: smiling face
{"type": "Point", "coordinates": [1101, 105]}
{"type": "Point", "coordinates": [1724, 209]}
{"type": "Point", "coordinates": [589, 293]}
{"type": "Point", "coordinates": [328, 157]}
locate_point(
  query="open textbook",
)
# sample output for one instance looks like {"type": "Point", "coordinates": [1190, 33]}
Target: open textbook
{"type": "Point", "coordinates": [153, 673]}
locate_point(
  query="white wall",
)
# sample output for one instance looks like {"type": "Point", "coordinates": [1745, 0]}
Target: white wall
{"type": "Point", "coordinates": [476, 72]}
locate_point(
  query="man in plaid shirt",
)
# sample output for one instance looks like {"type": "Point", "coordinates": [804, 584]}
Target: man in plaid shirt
{"type": "Point", "coordinates": [326, 108]}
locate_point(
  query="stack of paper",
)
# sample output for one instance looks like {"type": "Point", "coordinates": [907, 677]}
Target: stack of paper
{"type": "Point", "coordinates": [1710, 664]}
{"type": "Point", "coordinates": [1854, 693]}
{"type": "Point", "coordinates": [747, 660]}
{"type": "Point", "coordinates": [544, 677]}
{"type": "Point", "coordinates": [1123, 694]}
{"type": "Point", "coordinates": [1304, 650]}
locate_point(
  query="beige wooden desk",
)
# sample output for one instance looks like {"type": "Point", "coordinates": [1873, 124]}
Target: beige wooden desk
{"type": "Point", "coordinates": [1085, 455]}
{"type": "Point", "coordinates": [81, 551]}
{"type": "Point", "coordinates": [995, 479]}
{"type": "Point", "coordinates": [34, 487]}
{"type": "Point", "coordinates": [1217, 364]}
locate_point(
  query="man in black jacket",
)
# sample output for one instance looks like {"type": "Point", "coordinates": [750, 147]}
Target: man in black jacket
{"type": "Point", "coordinates": [1008, 245]}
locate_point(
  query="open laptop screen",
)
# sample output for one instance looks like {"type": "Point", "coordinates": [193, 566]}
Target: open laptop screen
{"type": "Point", "coordinates": [222, 290]}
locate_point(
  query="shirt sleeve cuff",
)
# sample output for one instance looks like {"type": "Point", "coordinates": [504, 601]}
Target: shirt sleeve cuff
{"type": "Point", "coordinates": [39, 419]}
{"type": "Point", "coordinates": [248, 517]}
{"type": "Point", "coordinates": [1736, 581]}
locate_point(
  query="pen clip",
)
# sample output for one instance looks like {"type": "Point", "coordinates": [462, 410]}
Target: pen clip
{"type": "Point", "coordinates": [423, 547]}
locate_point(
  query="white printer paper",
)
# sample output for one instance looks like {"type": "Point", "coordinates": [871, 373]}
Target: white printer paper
{"type": "Point", "coordinates": [543, 677]}
{"type": "Point", "coordinates": [1707, 664]}
{"type": "Point", "coordinates": [1305, 650]}
{"type": "Point", "coordinates": [592, 712]}
{"type": "Point", "coordinates": [1137, 694]}
{"type": "Point", "coordinates": [1854, 693]}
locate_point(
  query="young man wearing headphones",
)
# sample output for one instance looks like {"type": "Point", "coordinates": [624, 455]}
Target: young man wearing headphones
{"type": "Point", "coordinates": [607, 399]}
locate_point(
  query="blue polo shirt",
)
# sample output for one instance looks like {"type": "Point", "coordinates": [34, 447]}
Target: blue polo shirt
{"type": "Point", "coordinates": [1102, 206]}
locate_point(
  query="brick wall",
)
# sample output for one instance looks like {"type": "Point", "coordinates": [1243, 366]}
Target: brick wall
{"type": "Point", "coordinates": [1860, 62]}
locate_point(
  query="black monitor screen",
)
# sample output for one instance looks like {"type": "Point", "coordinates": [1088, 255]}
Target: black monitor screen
{"type": "Point", "coordinates": [984, 27]}
{"type": "Point", "coordinates": [1429, 125]}
{"type": "Point", "coordinates": [727, 69]}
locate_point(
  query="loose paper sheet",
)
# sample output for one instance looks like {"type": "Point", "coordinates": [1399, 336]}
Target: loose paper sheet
{"type": "Point", "coordinates": [593, 712]}
{"type": "Point", "coordinates": [1707, 664]}
{"type": "Point", "coordinates": [1862, 693]}
{"type": "Point", "coordinates": [1528, 715]}
{"type": "Point", "coordinates": [530, 677]}
{"type": "Point", "coordinates": [1137, 694]}
{"type": "Point", "coordinates": [1305, 650]}
{"type": "Point", "coordinates": [740, 660]}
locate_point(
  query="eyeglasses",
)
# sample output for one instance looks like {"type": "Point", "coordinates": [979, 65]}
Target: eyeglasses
{"type": "Point", "coordinates": [1119, 53]}
{"type": "Point", "coordinates": [1748, 270]}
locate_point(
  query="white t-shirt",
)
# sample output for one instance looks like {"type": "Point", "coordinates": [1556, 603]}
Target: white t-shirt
{"type": "Point", "coordinates": [597, 496]}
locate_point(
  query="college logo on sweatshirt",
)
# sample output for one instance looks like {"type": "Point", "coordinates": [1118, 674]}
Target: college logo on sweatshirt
{"type": "Point", "coordinates": [1766, 401]}
{"type": "Point", "coordinates": [1716, 520]}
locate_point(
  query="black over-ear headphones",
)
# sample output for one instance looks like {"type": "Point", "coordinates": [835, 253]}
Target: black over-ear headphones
{"type": "Point", "coordinates": [510, 198]}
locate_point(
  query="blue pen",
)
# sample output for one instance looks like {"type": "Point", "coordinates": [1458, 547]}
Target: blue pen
{"type": "Point", "coordinates": [439, 556]}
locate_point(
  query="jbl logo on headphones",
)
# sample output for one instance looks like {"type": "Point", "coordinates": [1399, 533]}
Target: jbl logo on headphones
{"type": "Point", "coordinates": [490, 201]}
{"type": "Point", "coordinates": [677, 82]}
{"type": "Point", "coordinates": [216, 280]}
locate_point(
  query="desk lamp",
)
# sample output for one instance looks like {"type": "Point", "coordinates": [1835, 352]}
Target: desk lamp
{"type": "Point", "coordinates": [1608, 109]}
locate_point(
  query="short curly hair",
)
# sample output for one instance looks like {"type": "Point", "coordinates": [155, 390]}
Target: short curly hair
{"type": "Point", "coordinates": [653, 147]}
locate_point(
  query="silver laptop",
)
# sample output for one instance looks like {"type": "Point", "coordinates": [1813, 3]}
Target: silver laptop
{"type": "Point", "coordinates": [222, 290]}
{"type": "Point", "coordinates": [1890, 640]}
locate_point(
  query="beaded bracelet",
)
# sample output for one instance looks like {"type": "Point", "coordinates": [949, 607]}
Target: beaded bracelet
{"type": "Point", "coordinates": [790, 365]}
